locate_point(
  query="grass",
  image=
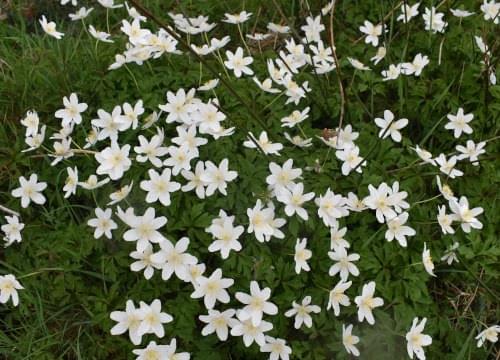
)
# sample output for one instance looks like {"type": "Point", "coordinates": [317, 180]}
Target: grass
{"type": "Point", "coordinates": [73, 281]}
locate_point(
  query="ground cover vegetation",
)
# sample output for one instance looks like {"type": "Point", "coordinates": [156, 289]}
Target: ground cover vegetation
{"type": "Point", "coordinates": [249, 180]}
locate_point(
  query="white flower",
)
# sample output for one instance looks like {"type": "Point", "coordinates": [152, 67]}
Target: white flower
{"type": "Point", "coordinates": [218, 322]}
{"type": "Point", "coordinates": [337, 297]}
{"type": "Point", "coordinates": [8, 289]}
{"type": "Point", "coordinates": [30, 190]}
{"type": "Point", "coordinates": [415, 67]}
{"type": "Point", "coordinates": [209, 118]}
{"type": "Point", "coordinates": [194, 180]}
{"type": "Point", "coordinates": [282, 177]}
{"type": "Point", "coordinates": [351, 159]}
{"type": "Point", "coordinates": [195, 271]}
{"type": "Point", "coordinates": [343, 263]}
{"type": "Point", "coordinates": [349, 340]}
{"type": "Point", "coordinates": [416, 340]}
{"type": "Point", "coordinates": [450, 254]}
{"type": "Point", "coordinates": [120, 194]}
{"type": "Point", "coordinates": [109, 124]}
{"type": "Point", "coordinates": [298, 141]}
{"type": "Point", "coordinates": [82, 13]}
{"type": "Point", "coordinates": [238, 63]}
{"type": "Point", "coordinates": [153, 318]}
{"type": "Point", "coordinates": [264, 144]}
{"type": "Point", "coordinates": [144, 262]}
{"type": "Point", "coordinates": [381, 200]}
{"type": "Point", "coordinates": [237, 18]}
{"type": "Point", "coordinates": [353, 203]}
{"type": "Point", "coordinates": [36, 140]}
{"type": "Point", "coordinates": [173, 355]}
{"type": "Point", "coordinates": [144, 229]}
{"type": "Point", "coordinates": [187, 136]}
{"type": "Point", "coordinates": [92, 183]}
{"type": "Point", "coordinates": [427, 261]}
{"type": "Point", "coordinates": [225, 236]}
{"type": "Point", "coordinates": [313, 29]}
{"type": "Point", "coordinates": [390, 127]}
{"type": "Point", "coordinates": [62, 150]}
{"type": "Point", "coordinates": [258, 36]}
{"type": "Point", "coordinates": [250, 332]}
{"type": "Point", "coordinates": [212, 289]}
{"type": "Point", "coordinates": [490, 334]}
{"type": "Point", "coordinates": [337, 237]}
{"type": "Point", "coordinates": [408, 12]}
{"type": "Point", "coordinates": [277, 348]}
{"type": "Point", "coordinates": [71, 113]}
{"type": "Point", "coordinates": [461, 13]}
{"type": "Point", "coordinates": [159, 186]}
{"type": "Point", "coordinates": [50, 28]}
{"type": "Point", "coordinates": [131, 114]}
{"type": "Point", "coordinates": [466, 216]}
{"type": "Point", "coordinates": [302, 255]}
{"type": "Point", "coordinates": [12, 230]}
{"type": "Point", "coordinates": [209, 85]}
{"type": "Point", "coordinates": [445, 220]}
{"type": "Point", "coordinates": [491, 10]}
{"type": "Point", "coordinates": [302, 311]}
{"type": "Point", "coordinates": [372, 32]}
{"type": "Point", "coordinates": [392, 73]}
{"type": "Point", "coordinates": [102, 223]}
{"type": "Point", "coordinates": [152, 150]}
{"type": "Point", "coordinates": [217, 177]}
{"type": "Point", "coordinates": [346, 137]}
{"type": "Point", "coordinates": [325, 10]}
{"type": "Point", "coordinates": [71, 182]}
{"type": "Point", "coordinates": [398, 198]}
{"type": "Point", "coordinates": [179, 106]}
{"type": "Point", "coordinates": [481, 45]}
{"type": "Point", "coordinates": [99, 35]}
{"type": "Point", "coordinates": [179, 158]}
{"type": "Point", "coordinates": [152, 351]}
{"type": "Point", "coordinates": [296, 117]}
{"type": "Point", "coordinates": [266, 85]}
{"type": "Point", "coordinates": [174, 259]}
{"type": "Point", "coordinates": [278, 28]}
{"type": "Point", "coordinates": [113, 160]}
{"type": "Point", "coordinates": [128, 320]}
{"type": "Point", "coordinates": [433, 20]}
{"type": "Point", "coordinates": [366, 303]}
{"type": "Point", "coordinates": [256, 304]}
{"type": "Point", "coordinates": [459, 123]}
{"type": "Point", "coordinates": [293, 199]}
{"type": "Point", "coordinates": [358, 64]}
{"type": "Point", "coordinates": [381, 52]}
{"type": "Point", "coordinates": [260, 221]}
{"type": "Point", "coordinates": [425, 155]}
{"type": "Point", "coordinates": [110, 4]}
{"type": "Point", "coordinates": [397, 229]}
{"type": "Point", "coordinates": [447, 167]}
{"type": "Point", "coordinates": [31, 122]}
{"type": "Point", "coordinates": [471, 151]}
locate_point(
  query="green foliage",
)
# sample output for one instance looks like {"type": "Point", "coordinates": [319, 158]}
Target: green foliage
{"type": "Point", "coordinates": [72, 281]}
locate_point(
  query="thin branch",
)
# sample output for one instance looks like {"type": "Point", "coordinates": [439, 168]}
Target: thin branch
{"type": "Point", "coordinates": [337, 66]}
{"type": "Point", "coordinates": [9, 211]}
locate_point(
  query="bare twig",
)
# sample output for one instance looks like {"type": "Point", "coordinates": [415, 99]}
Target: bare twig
{"type": "Point", "coordinates": [337, 66]}
{"type": "Point", "coordinates": [9, 211]}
